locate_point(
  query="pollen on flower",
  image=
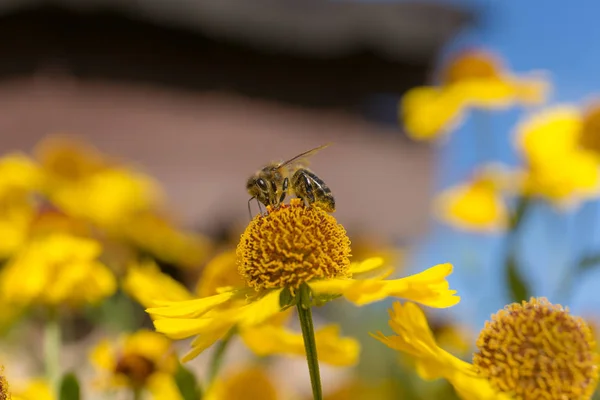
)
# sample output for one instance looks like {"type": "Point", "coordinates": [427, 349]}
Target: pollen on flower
{"type": "Point", "coordinates": [537, 350]}
{"type": "Point", "coordinates": [291, 245]}
{"type": "Point", "coordinates": [136, 368]}
{"type": "Point", "coordinates": [473, 64]}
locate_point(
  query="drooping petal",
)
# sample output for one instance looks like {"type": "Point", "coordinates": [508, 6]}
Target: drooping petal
{"type": "Point", "coordinates": [260, 309]}
{"type": "Point", "coordinates": [204, 341]}
{"type": "Point", "coordinates": [148, 285]}
{"type": "Point", "coordinates": [368, 265]}
{"type": "Point", "coordinates": [414, 337]}
{"type": "Point", "coordinates": [181, 328]}
{"type": "Point", "coordinates": [428, 287]}
{"type": "Point", "coordinates": [190, 308]}
{"type": "Point", "coordinates": [331, 347]}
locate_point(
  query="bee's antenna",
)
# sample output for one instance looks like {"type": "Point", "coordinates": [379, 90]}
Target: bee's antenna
{"type": "Point", "coordinates": [249, 209]}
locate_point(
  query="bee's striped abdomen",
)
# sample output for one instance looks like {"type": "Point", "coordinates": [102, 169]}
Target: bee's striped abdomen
{"type": "Point", "coordinates": [310, 188]}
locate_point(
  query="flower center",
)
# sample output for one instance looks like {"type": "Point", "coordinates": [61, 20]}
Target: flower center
{"type": "Point", "coordinates": [590, 131]}
{"type": "Point", "coordinates": [471, 65]}
{"type": "Point", "coordinates": [292, 245]}
{"type": "Point", "coordinates": [136, 368]}
{"type": "Point", "coordinates": [536, 350]}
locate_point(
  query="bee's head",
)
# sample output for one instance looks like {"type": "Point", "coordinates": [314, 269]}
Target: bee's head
{"type": "Point", "coordinates": [258, 187]}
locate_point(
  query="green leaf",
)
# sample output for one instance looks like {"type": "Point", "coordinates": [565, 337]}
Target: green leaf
{"type": "Point", "coordinates": [517, 286]}
{"type": "Point", "coordinates": [287, 299]}
{"type": "Point", "coordinates": [187, 384]}
{"type": "Point", "coordinates": [69, 387]}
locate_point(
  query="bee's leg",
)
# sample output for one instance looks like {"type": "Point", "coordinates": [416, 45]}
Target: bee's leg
{"type": "Point", "coordinates": [260, 207]}
{"type": "Point", "coordinates": [284, 190]}
{"type": "Point", "coordinates": [306, 192]}
{"type": "Point", "coordinates": [249, 209]}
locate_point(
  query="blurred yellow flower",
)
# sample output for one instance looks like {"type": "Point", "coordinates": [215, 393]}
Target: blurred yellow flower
{"type": "Point", "coordinates": [527, 351]}
{"type": "Point", "coordinates": [473, 78]}
{"type": "Point", "coordinates": [145, 283]}
{"type": "Point", "coordinates": [150, 287]}
{"type": "Point", "coordinates": [143, 360]}
{"type": "Point", "coordinates": [358, 389]}
{"type": "Point", "coordinates": [332, 348]}
{"type": "Point", "coordinates": [18, 174]}
{"type": "Point", "coordinates": [250, 383]}
{"type": "Point", "coordinates": [109, 197]}
{"type": "Point", "coordinates": [156, 235]}
{"type": "Point", "coordinates": [67, 158]}
{"type": "Point", "coordinates": [558, 167]}
{"type": "Point", "coordinates": [477, 205]}
{"type": "Point", "coordinates": [291, 246]}
{"type": "Point", "coordinates": [54, 270]}
{"type": "Point", "coordinates": [35, 389]}
{"type": "Point", "coordinates": [15, 220]}
{"type": "Point", "coordinates": [84, 183]}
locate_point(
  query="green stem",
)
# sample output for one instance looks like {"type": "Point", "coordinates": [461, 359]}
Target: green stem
{"type": "Point", "coordinates": [310, 345]}
{"type": "Point", "coordinates": [518, 287]}
{"type": "Point", "coordinates": [52, 345]}
{"type": "Point", "coordinates": [217, 357]}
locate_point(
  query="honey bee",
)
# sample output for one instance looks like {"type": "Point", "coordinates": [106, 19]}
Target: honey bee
{"type": "Point", "coordinates": [271, 184]}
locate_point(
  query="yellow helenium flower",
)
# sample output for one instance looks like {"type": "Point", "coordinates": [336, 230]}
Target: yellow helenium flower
{"type": "Point", "coordinates": [65, 158]}
{"type": "Point", "coordinates": [109, 197]}
{"type": "Point", "coordinates": [291, 246]}
{"type": "Point", "coordinates": [527, 351]}
{"type": "Point", "coordinates": [251, 383]}
{"type": "Point", "coordinates": [150, 287]}
{"type": "Point", "coordinates": [35, 389]}
{"type": "Point", "coordinates": [475, 206]}
{"type": "Point", "coordinates": [57, 269]}
{"type": "Point", "coordinates": [141, 360]}
{"type": "Point", "coordinates": [473, 78]}
{"type": "Point", "coordinates": [558, 166]}
{"type": "Point", "coordinates": [86, 184]}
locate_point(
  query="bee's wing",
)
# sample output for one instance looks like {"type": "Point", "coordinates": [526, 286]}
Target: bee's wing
{"type": "Point", "coordinates": [301, 160]}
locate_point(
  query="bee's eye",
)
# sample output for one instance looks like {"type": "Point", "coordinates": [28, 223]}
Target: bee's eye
{"type": "Point", "coordinates": [262, 184]}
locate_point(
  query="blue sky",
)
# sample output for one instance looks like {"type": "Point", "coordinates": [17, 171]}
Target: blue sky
{"type": "Point", "coordinates": [561, 38]}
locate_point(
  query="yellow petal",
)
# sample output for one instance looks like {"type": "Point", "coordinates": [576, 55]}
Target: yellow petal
{"type": "Point", "coordinates": [331, 347]}
{"type": "Point", "coordinates": [103, 356]}
{"type": "Point", "coordinates": [148, 285]}
{"type": "Point", "coordinates": [476, 206]}
{"type": "Point", "coordinates": [181, 328]}
{"type": "Point", "coordinates": [260, 310]}
{"type": "Point", "coordinates": [36, 389]}
{"type": "Point", "coordinates": [429, 112]}
{"type": "Point", "coordinates": [163, 387]}
{"type": "Point", "coordinates": [189, 308]}
{"type": "Point", "coordinates": [546, 136]}
{"type": "Point", "coordinates": [204, 341]}
{"type": "Point", "coordinates": [428, 287]}
{"type": "Point", "coordinates": [248, 384]}
{"type": "Point", "coordinates": [414, 337]}
{"type": "Point", "coordinates": [152, 345]}
{"type": "Point", "coordinates": [367, 265]}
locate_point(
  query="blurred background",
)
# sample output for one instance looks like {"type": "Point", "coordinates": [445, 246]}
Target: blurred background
{"type": "Point", "coordinates": [200, 94]}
